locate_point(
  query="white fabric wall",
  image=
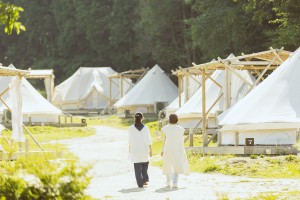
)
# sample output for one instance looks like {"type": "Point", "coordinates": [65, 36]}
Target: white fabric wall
{"type": "Point", "coordinates": [261, 137]}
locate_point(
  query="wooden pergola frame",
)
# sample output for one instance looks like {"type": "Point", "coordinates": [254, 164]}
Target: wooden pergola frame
{"type": "Point", "coordinates": [43, 74]}
{"type": "Point", "coordinates": [124, 76]}
{"type": "Point", "coordinates": [258, 63]}
{"type": "Point", "coordinates": [5, 71]}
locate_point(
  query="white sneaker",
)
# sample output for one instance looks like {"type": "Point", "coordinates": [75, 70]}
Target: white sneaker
{"type": "Point", "coordinates": [175, 185]}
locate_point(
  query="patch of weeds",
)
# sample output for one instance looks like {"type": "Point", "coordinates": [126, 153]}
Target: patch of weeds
{"type": "Point", "coordinates": [291, 158]}
{"type": "Point", "coordinates": [253, 156]}
{"type": "Point", "coordinates": [211, 168]}
{"type": "Point", "coordinates": [261, 156]}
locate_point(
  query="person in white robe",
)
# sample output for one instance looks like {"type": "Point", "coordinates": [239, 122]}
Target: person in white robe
{"type": "Point", "coordinates": [174, 156]}
{"type": "Point", "coordinates": [140, 149]}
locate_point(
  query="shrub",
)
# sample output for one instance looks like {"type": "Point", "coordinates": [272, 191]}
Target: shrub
{"type": "Point", "coordinates": [291, 158]}
{"type": "Point", "coordinates": [253, 156]}
{"type": "Point", "coordinates": [41, 178]}
{"type": "Point", "coordinates": [211, 168]}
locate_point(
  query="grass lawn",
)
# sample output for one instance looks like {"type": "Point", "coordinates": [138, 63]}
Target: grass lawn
{"type": "Point", "coordinates": [48, 136]}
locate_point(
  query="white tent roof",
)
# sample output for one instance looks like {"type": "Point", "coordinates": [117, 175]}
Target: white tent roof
{"type": "Point", "coordinates": [32, 101]}
{"type": "Point", "coordinates": [85, 80]}
{"type": "Point", "coordinates": [193, 107]}
{"type": "Point", "coordinates": [155, 86]}
{"type": "Point", "coordinates": [276, 99]}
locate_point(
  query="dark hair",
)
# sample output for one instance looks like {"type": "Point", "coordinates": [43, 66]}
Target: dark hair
{"type": "Point", "coordinates": [173, 119]}
{"type": "Point", "coordinates": [138, 117]}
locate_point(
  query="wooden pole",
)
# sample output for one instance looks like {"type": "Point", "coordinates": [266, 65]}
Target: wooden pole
{"type": "Point", "coordinates": [228, 88]}
{"type": "Point", "coordinates": [121, 87]}
{"type": "Point", "coordinates": [110, 93]}
{"type": "Point", "coordinates": [204, 135]}
{"type": "Point", "coordinates": [219, 138]}
{"type": "Point", "coordinates": [191, 134]}
{"type": "Point", "coordinates": [237, 138]}
{"type": "Point", "coordinates": [186, 95]}
{"type": "Point", "coordinates": [179, 89]}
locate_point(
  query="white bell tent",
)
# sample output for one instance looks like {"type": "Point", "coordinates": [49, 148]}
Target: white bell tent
{"type": "Point", "coordinates": [190, 85]}
{"type": "Point", "coordinates": [270, 114]}
{"type": "Point", "coordinates": [190, 113]}
{"type": "Point", "coordinates": [87, 89]}
{"type": "Point", "coordinates": [151, 94]}
{"type": "Point", "coordinates": [35, 107]}
{"type": "Point", "coordinates": [11, 98]}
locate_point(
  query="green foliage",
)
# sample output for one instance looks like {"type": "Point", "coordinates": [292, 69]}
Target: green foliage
{"type": "Point", "coordinates": [266, 167]}
{"type": "Point", "coordinates": [129, 34]}
{"type": "Point", "coordinates": [253, 156]}
{"type": "Point", "coordinates": [9, 16]}
{"type": "Point", "coordinates": [34, 177]}
{"type": "Point", "coordinates": [292, 158]}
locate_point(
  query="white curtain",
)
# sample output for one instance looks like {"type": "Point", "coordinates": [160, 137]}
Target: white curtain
{"type": "Point", "coordinates": [49, 86]}
{"type": "Point", "coordinates": [16, 109]}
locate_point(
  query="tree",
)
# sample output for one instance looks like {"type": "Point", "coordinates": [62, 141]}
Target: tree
{"type": "Point", "coordinates": [9, 16]}
{"type": "Point", "coordinates": [169, 40]}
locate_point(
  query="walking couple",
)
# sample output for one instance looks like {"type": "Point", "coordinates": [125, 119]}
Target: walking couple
{"type": "Point", "coordinates": [173, 153]}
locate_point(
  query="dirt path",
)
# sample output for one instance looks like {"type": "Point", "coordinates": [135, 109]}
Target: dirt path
{"type": "Point", "coordinates": [114, 175]}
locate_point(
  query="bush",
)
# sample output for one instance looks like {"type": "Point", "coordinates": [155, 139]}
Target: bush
{"type": "Point", "coordinates": [253, 156]}
{"type": "Point", "coordinates": [291, 158]}
{"type": "Point", "coordinates": [40, 178]}
{"type": "Point", "coordinates": [211, 168]}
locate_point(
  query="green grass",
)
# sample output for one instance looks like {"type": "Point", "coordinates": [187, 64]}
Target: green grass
{"type": "Point", "coordinates": [265, 167]}
{"type": "Point", "coordinates": [46, 134]}
{"type": "Point", "coordinates": [295, 194]}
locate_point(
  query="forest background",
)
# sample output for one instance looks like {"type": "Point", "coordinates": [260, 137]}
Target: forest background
{"type": "Point", "coordinates": [130, 34]}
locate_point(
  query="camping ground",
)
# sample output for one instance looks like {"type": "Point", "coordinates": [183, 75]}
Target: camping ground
{"type": "Point", "coordinates": [114, 176]}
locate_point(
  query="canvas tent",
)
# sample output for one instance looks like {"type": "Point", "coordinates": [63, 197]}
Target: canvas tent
{"type": "Point", "coordinates": [190, 113]}
{"type": "Point", "coordinates": [151, 94]}
{"type": "Point", "coordinates": [87, 89]}
{"type": "Point", "coordinates": [13, 89]}
{"type": "Point", "coordinates": [35, 107]}
{"type": "Point", "coordinates": [190, 85]}
{"type": "Point", "coordinates": [270, 114]}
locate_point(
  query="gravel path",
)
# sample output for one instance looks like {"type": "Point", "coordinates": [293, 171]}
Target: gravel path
{"type": "Point", "coordinates": [114, 175]}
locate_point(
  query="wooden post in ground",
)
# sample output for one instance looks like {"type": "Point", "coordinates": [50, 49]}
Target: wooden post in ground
{"type": "Point", "coordinates": [110, 94]}
{"type": "Point", "coordinates": [191, 136]}
{"type": "Point", "coordinates": [179, 89]}
{"type": "Point", "coordinates": [204, 135]}
{"type": "Point", "coordinates": [237, 138]}
{"type": "Point", "coordinates": [227, 88]}
{"type": "Point", "coordinates": [186, 89]}
{"type": "Point", "coordinates": [219, 138]}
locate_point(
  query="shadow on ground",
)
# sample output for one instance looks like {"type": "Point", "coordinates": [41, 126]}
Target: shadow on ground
{"type": "Point", "coordinates": [130, 190]}
{"type": "Point", "coordinates": [167, 189]}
